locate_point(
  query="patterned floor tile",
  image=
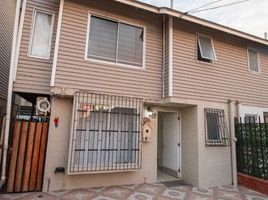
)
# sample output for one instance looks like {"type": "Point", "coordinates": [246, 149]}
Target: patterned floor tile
{"type": "Point", "coordinates": [202, 191]}
{"type": "Point", "coordinates": [116, 192]}
{"type": "Point", "coordinates": [38, 196]}
{"type": "Point", "coordinates": [174, 194]}
{"type": "Point", "coordinates": [140, 196]}
{"type": "Point", "coordinates": [100, 197]}
{"type": "Point", "coordinates": [229, 195]}
{"type": "Point", "coordinates": [254, 197]}
{"type": "Point", "coordinates": [81, 194]}
{"type": "Point", "coordinates": [155, 191]}
{"type": "Point", "coordinates": [150, 189]}
{"type": "Point", "coordinates": [196, 196]}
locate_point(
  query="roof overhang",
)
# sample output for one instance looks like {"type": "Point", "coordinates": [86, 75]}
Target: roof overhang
{"type": "Point", "coordinates": [197, 20]}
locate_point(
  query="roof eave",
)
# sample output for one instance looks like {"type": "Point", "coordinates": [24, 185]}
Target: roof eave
{"type": "Point", "coordinates": [197, 20]}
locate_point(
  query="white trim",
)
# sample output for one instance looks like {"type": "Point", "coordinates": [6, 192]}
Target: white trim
{"type": "Point", "coordinates": [258, 59]}
{"type": "Point", "coordinates": [116, 61]}
{"type": "Point", "coordinates": [57, 44]}
{"type": "Point", "coordinates": [170, 59]}
{"type": "Point", "coordinates": [36, 10]}
{"type": "Point", "coordinates": [19, 38]}
{"type": "Point", "coordinates": [212, 44]}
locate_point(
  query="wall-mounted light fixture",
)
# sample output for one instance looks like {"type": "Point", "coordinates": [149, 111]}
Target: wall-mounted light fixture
{"type": "Point", "coordinates": [149, 113]}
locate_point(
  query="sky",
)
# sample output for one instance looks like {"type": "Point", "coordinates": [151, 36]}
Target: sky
{"type": "Point", "coordinates": [250, 16]}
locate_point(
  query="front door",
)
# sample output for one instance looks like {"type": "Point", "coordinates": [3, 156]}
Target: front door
{"type": "Point", "coordinates": [169, 140]}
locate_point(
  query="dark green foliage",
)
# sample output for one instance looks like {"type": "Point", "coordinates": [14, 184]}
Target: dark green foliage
{"type": "Point", "coordinates": [252, 149]}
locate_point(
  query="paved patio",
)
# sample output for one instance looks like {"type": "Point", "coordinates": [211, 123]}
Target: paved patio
{"type": "Point", "coordinates": [145, 192]}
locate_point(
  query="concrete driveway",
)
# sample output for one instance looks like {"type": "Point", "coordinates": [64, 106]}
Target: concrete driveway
{"type": "Point", "coordinates": [155, 191]}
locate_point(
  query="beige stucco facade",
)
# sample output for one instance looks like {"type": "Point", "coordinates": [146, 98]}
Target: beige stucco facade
{"type": "Point", "coordinates": [200, 165]}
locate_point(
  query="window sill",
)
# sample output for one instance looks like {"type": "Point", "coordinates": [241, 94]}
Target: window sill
{"type": "Point", "coordinates": [39, 57]}
{"type": "Point", "coordinates": [114, 64]}
{"type": "Point", "coordinates": [104, 169]}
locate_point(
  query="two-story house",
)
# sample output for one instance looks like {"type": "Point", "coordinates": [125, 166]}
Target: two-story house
{"type": "Point", "coordinates": [138, 93]}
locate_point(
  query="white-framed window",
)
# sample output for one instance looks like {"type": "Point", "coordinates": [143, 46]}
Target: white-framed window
{"type": "Point", "coordinates": [105, 134]}
{"type": "Point", "coordinates": [216, 127]}
{"type": "Point", "coordinates": [115, 42]}
{"type": "Point", "coordinates": [205, 48]}
{"type": "Point", "coordinates": [253, 60]}
{"type": "Point", "coordinates": [41, 34]}
{"type": "Point", "coordinates": [250, 118]}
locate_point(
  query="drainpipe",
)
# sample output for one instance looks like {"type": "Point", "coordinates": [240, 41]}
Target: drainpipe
{"type": "Point", "coordinates": [10, 87]}
{"type": "Point", "coordinates": [233, 141]}
{"type": "Point", "coordinates": [163, 56]}
{"type": "Point", "coordinates": [239, 115]}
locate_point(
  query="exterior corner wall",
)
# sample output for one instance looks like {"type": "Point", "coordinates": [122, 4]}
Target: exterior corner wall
{"type": "Point", "coordinates": [215, 166]}
{"type": "Point", "coordinates": [57, 156]}
{"type": "Point", "coordinates": [189, 145]}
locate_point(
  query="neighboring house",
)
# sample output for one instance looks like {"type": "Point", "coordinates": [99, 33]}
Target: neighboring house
{"type": "Point", "coordinates": [137, 91]}
{"type": "Point", "coordinates": [7, 12]}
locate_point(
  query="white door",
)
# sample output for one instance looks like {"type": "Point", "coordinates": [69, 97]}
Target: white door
{"type": "Point", "coordinates": [171, 141]}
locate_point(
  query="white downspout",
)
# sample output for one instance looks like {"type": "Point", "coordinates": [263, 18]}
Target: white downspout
{"type": "Point", "coordinates": [170, 60]}
{"type": "Point", "coordinates": [233, 141]}
{"type": "Point", "coordinates": [163, 56]}
{"type": "Point", "coordinates": [239, 115]}
{"type": "Point", "coordinates": [57, 44]}
{"type": "Point", "coordinates": [10, 89]}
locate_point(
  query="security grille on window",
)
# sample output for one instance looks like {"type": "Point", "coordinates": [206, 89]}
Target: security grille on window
{"type": "Point", "coordinates": [253, 60]}
{"type": "Point", "coordinates": [41, 37]}
{"type": "Point", "coordinates": [216, 128]}
{"type": "Point", "coordinates": [106, 133]}
{"type": "Point", "coordinates": [205, 49]}
{"type": "Point", "coordinates": [115, 42]}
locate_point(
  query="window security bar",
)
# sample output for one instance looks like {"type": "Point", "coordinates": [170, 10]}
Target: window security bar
{"type": "Point", "coordinates": [216, 128]}
{"type": "Point", "coordinates": [106, 133]}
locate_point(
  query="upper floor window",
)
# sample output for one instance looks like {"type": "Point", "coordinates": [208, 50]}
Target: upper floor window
{"type": "Point", "coordinates": [116, 42]}
{"type": "Point", "coordinates": [41, 37]}
{"type": "Point", "coordinates": [253, 60]}
{"type": "Point", "coordinates": [205, 49]}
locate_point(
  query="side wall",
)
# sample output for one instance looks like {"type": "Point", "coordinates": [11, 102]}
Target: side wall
{"type": "Point", "coordinates": [34, 74]}
{"type": "Point", "coordinates": [103, 77]}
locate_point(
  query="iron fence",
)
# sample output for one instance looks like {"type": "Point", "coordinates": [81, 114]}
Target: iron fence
{"type": "Point", "coordinates": [252, 147]}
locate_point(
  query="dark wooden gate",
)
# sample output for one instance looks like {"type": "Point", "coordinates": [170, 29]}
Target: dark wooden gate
{"type": "Point", "coordinates": [27, 157]}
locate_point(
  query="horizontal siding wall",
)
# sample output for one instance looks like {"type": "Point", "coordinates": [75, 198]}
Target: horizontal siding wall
{"type": "Point", "coordinates": [74, 72]}
{"type": "Point", "coordinates": [34, 74]}
{"type": "Point", "coordinates": [224, 79]}
{"type": "Point", "coordinates": [7, 13]}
